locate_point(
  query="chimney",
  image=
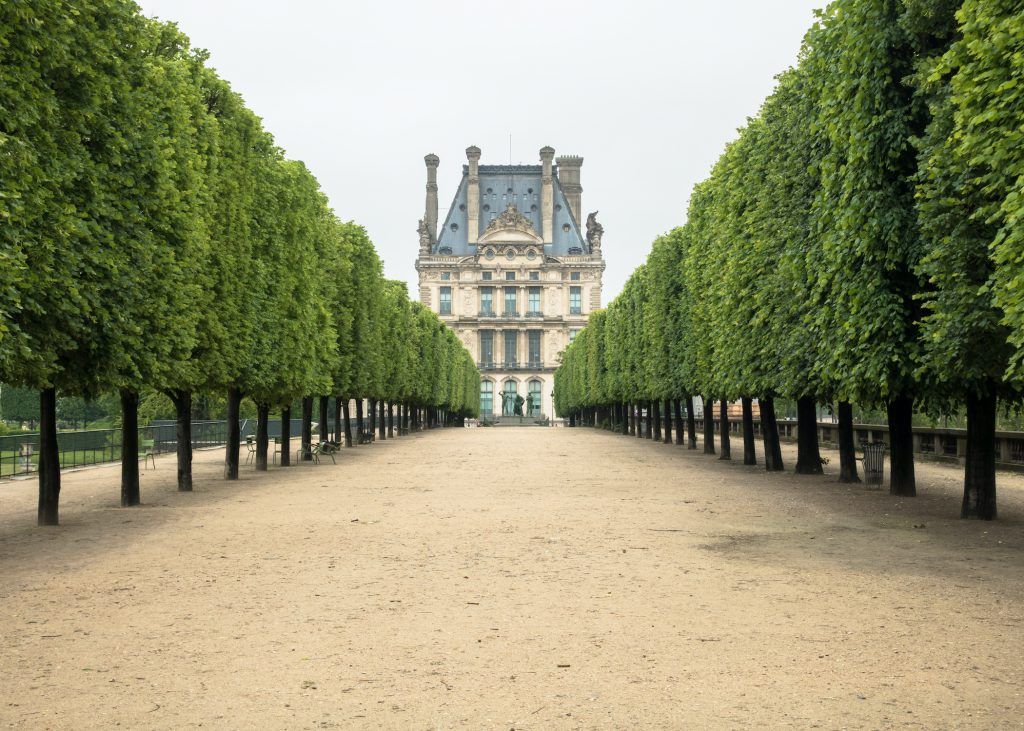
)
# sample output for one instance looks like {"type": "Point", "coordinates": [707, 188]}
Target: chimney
{"type": "Point", "coordinates": [547, 196]}
{"type": "Point", "coordinates": [569, 176]}
{"type": "Point", "coordinates": [473, 195]}
{"type": "Point", "coordinates": [430, 216]}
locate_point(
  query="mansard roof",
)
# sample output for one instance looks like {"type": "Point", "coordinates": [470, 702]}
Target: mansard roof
{"type": "Point", "coordinates": [521, 186]}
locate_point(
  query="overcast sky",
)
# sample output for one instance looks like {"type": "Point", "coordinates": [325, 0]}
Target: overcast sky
{"type": "Point", "coordinates": [647, 92]}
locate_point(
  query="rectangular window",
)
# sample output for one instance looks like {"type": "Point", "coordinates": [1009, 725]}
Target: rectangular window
{"type": "Point", "coordinates": [574, 276]}
{"type": "Point", "coordinates": [511, 354]}
{"type": "Point", "coordinates": [510, 301]}
{"type": "Point", "coordinates": [510, 276]}
{"type": "Point", "coordinates": [533, 337]}
{"type": "Point", "coordinates": [533, 302]}
{"type": "Point", "coordinates": [487, 276]}
{"type": "Point", "coordinates": [487, 301]}
{"type": "Point", "coordinates": [573, 334]}
{"type": "Point", "coordinates": [446, 300]}
{"type": "Point", "coordinates": [487, 347]}
{"type": "Point", "coordinates": [446, 276]}
{"type": "Point", "coordinates": [534, 276]}
{"type": "Point", "coordinates": [575, 301]}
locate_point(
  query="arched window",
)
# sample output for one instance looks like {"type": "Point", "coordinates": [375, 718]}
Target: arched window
{"type": "Point", "coordinates": [486, 398]}
{"type": "Point", "coordinates": [535, 396]}
{"type": "Point", "coordinates": [508, 401]}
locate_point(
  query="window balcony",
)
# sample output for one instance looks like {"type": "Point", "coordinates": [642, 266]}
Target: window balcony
{"type": "Point", "coordinates": [510, 315]}
{"type": "Point", "coordinates": [575, 310]}
{"type": "Point", "coordinates": [534, 313]}
{"type": "Point", "coordinates": [487, 313]}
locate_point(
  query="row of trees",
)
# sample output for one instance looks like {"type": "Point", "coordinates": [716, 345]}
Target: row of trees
{"type": "Point", "coordinates": [860, 242]}
{"type": "Point", "coordinates": [154, 236]}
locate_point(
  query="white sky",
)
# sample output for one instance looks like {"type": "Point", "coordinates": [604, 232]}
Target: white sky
{"type": "Point", "coordinates": [647, 92]}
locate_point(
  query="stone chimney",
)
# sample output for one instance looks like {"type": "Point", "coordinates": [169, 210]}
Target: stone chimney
{"type": "Point", "coordinates": [547, 196]}
{"type": "Point", "coordinates": [569, 176]}
{"type": "Point", "coordinates": [430, 216]}
{"type": "Point", "coordinates": [473, 195]}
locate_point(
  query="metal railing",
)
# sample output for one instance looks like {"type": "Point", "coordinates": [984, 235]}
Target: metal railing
{"type": "Point", "coordinates": [19, 453]}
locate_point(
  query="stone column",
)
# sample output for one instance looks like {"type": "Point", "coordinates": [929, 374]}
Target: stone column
{"type": "Point", "coordinates": [547, 196]}
{"type": "Point", "coordinates": [432, 161]}
{"type": "Point", "coordinates": [473, 195]}
{"type": "Point", "coordinates": [569, 176]}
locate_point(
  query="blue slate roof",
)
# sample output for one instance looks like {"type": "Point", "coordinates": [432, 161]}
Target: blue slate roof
{"type": "Point", "coordinates": [499, 186]}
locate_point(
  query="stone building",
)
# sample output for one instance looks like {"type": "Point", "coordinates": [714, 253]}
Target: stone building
{"type": "Point", "coordinates": [513, 271]}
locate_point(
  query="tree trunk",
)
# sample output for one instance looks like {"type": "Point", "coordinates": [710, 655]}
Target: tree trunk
{"type": "Point", "coordinates": [234, 435]}
{"type": "Point", "coordinates": [307, 429]}
{"type": "Point", "coordinates": [691, 424]}
{"type": "Point", "coordinates": [130, 493]}
{"type": "Point", "coordinates": [262, 436]}
{"type": "Point", "coordinates": [749, 448]}
{"type": "Point", "coordinates": [359, 419]}
{"type": "Point", "coordinates": [338, 438]}
{"type": "Point", "coordinates": [723, 424]}
{"type": "Point", "coordinates": [49, 460]}
{"type": "Point", "coordinates": [655, 412]}
{"type": "Point", "coordinates": [322, 426]}
{"type": "Point", "coordinates": [847, 447]}
{"type": "Point", "coordinates": [980, 469]}
{"type": "Point", "coordinates": [182, 401]}
{"type": "Point", "coordinates": [371, 415]}
{"type": "Point", "coordinates": [348, 422]}
{"type": "Point", "coordinates": [382, 427]}
{"type": "Point", "coordinates": [286, 437]}
{"type": "Point", "coordinates": [808, 456]}
{"type": "Point", "coordinates": [709, 426]}
{"type": "Point", "coordinates": [391, 420]}
{"type": "Point", "coordinates": [677, 417]}
{"type": "Point", "coordinates": [901, 446]}
{"type": "Point", "coordinates": [770, 436]}
{"type": "Point", "coordinates": [667, 421]}
{"type": "Point", "coordinates": [649, 424]}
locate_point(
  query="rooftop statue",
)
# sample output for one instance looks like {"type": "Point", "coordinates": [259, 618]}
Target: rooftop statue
{"type": "Point", "coordinates": [424, 233]}
{"type": "Point", "coordinates": [594, 232]}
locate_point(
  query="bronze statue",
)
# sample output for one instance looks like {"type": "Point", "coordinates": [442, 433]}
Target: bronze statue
{"type": "Point", "coordinates": [518, 411]}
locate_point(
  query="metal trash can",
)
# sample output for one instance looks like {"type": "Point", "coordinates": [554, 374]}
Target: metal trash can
{"type": "Point", "coordinates": [874, 463]}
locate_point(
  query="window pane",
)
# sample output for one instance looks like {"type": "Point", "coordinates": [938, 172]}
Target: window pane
{"type": "Point", "coordinates": [534, 342]}
{"type": "Point", "coordinates": [486, 300]}
{"type": "Point", "coordinates": [534, 302]}
{"type": "Point", "coordinates": [510, 300]}
{"type": "Point", "coordinates": [487, 347]}
{"type": "Point", "coordinates": [511, 356]}
{"type": "Point", "coordinates": [575, 301]}
{"type": "Point", "coordinates": [446, 300]}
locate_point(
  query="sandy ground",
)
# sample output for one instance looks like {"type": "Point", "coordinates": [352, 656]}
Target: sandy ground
{"type": "Point", "coordinates": [510, 579]}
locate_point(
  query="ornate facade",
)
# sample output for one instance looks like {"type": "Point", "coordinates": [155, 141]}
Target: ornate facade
{"type": "Point", "coordinates": [512, 272]}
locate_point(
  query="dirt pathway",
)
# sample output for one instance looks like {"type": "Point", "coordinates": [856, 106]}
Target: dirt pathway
{"type": "Point", "coordinates": [510, 578]}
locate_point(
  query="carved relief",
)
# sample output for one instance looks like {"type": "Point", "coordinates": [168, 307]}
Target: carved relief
{"type": "Point", "coordinates": [511, 218]}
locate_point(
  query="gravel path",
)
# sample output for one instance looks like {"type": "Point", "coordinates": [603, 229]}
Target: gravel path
{"type": "Point", "coordinates": [510, 578]}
